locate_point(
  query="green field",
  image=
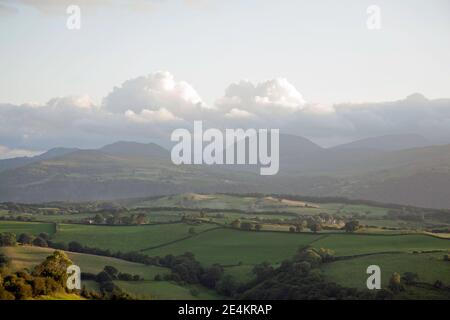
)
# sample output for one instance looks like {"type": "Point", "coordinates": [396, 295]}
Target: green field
{"type": "Point", "coordinates": [352, 244]}
{"type": "Point", "coordinates": [34, 228]}
{"type": "Point", "coordinates": [401, 246]}
{"type": "Point", "coordinates": [163, 290]}
{"type": "Point", "coordinates": [352, 272]}
{"type": "Point", "coordinates": [125, 238]}
{"type": "Point", "coordinates": [229, 247]}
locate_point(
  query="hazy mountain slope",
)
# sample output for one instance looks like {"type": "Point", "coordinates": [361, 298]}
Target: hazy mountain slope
{"type": "Point", "coordinates": [95, 174]}
{"type": "Point", "coordinates": [387, 143]}
{"type": "Point", "coordinates": [22, 161]}
{"type": "Point", "coordinates": [419, 176]}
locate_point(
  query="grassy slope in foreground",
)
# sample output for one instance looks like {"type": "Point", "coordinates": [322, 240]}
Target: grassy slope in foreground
{"type": "Point", "coordinates": [352, 272]}
{"type": "Point", "coordinates": [125, 238]}
{"type": "Point", "coordinates": [28, 257]}
{"type": "Point", "coordinates": [351, 244]}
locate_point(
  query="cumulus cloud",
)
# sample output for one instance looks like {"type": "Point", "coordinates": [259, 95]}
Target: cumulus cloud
{"type": "Point", "coordinates": [151, 116]}
{"type": "Point", "coordinates": [154, 92]}
{"type": "Point", "coordinates": [236, 113]}
{"type": "Point", "coordinates": [148, 108]}
{"type": "Point", "coordinates": [264, 98]}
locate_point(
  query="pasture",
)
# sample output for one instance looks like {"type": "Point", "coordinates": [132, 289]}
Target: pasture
{"type": "Point", "coordinates": [34, 228]}
{"type": "Point", "coordinates": [125, 238]}
{"type": "Point", "coordinates": [352, 272]}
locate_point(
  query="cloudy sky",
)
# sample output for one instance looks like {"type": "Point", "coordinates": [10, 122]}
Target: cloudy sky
{"type": "Point", "coordinates": [137, 69]}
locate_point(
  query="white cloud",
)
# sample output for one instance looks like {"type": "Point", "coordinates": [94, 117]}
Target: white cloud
{"type": "Point", "coordinates": [236, 113]}
{"type": "Point", "coordinates": [150, 116]}
{"type": "Point", "coordinates": [150, 107]}
{"type": "Point", "coordinates": [82, 102]}
{"type": "Point", "coordinates": [153, 92]}
{"type": "Point", "coordinates": [6, 153]}
{"type": "Point", "coordinates": [276, 96]}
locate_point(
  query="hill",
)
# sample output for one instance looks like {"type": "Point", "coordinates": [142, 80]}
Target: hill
{"type": "Point", "coordinates": [415, 176]}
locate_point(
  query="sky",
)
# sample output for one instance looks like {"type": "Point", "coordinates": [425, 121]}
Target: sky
{"type": "Point", "coordinates": [249, 59]}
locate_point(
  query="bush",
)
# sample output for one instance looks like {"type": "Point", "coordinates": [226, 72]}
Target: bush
{"type": "Point", "coordinates": [40, 242]}
{"type": "Point", "coordinates": [111, 271]}
{"type": "Point", "coordinates": [125, 277]}
{"type": "Point", "coordinates": [7, 239]}
{"type": "Point", "coordinates": [6, 295]}
{"type": "Point", "coordinates": [26, 238]}
{"type": "Point", "coordinates": [158, 277]}
{"type": "Point", "coordinates": [103, 277]}
{"type": "Point", "coordinates": [194, 292]}
{"type": "Point", "coordinates": [4, 260]}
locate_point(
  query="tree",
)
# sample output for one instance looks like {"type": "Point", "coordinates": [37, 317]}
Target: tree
{"type": "Point", "coordinates": [227, 286]}
{"type": "Point", "coordinates": [7, 239]}
{"type": "Point", "coordinates": [158, 277]}
{"type": "Point", "coordinates": [98, 219]}
{"type": "Point", "coordinates": [55, 267]}
{"type": "Point", "coordinates": [137, 277]}
{"type": "Point", "coordinates": [125, 276]}
{"type": "Point", "coordinates": [410, 277]}
{"type": "Point", "coordinates": [327, 255]}
{"type": "Point", "coordinates": [40, 242]}
{"type": "Point", "coordinates": [292, 229]}
{"type": "Point", "coordinates": [395, 283]}
{"type": "Point", "coordinates": [211, 276]}
{"type": "Point", "coordinates": [4, 260]}
{"type": "Point", "coordinates": [315, 227]}
{"type": "Point", "coordinates": [438, 284]}
{"type": "Point", "coordinates": [103, 276]}
{"type": "Point", "coordinates": [302, 267]}
{"type": "Point", "coordinates": [44, 235]}
{"type": "Point", "coordinates": [141, 218]}
{"type": "Point", "coordinates": [6, 295]}
{"type": "Point", "coordinates": [75, 246]}
{"type": "Point", "coordinates": [18, 287]}
{"type": "Point", "coordinates": [309, 255]}
{"type": "Point", "coordinates": [39, 287]}
{"type": "Point", "coordinates": [26, 238]}
{"type": "Point", "coordinates": [236, 224]}
{"type": "Point", "coordinates": [246, 226]}
{"type": "Point", "coordinates": [111, 271]}
{"type": "Point", "coordinates": [299, 227]}
{"type": "Point", "coordinates": [263, 270]}
{"type": "Point", "coordinates": [352, 226]}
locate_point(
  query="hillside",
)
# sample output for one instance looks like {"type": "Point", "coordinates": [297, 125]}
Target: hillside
{"type": "Point", "coordinates": [417, 176]}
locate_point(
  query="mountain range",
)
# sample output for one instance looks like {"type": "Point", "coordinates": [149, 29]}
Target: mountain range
{"type": "Point", "coordinates": [402, 169]}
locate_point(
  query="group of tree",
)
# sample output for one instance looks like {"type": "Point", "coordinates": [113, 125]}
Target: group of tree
{"type": "Point", "coordinates": [117, 218]}
{"type": "Point", "coordinates": [247, 226]}
{"type": "Point", "coordinates": [110, 273]}
{"type": "Point", "coordinates": [9, 239]}
{"type": "Point", "coordinates": [297, 278]}
{"type": "Point", "coordinates": [47, 278]}
{"type": "Point", "coordinates": [351, 226]}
